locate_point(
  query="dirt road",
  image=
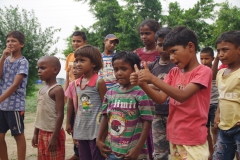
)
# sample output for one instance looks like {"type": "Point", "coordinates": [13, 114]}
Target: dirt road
{"type": "Point", "coordinates": [32, 152]}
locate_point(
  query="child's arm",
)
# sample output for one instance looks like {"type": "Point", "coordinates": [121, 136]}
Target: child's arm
{"type": "Point", "coordinates": [175, 93]}
{"type": "Point", "coordinates": [5, 54]}
{"type": "Point", "coordinates": [215, 68]}
{"type": "Point", "coordinates": [134, 152]}
{"type": "Point", "coordinates": [70, 109]}
{"type": "Point", "coordinates": [102, 89]}
{"type": "Point", "coordinates": [217, 117]}
{"type": "Point", "coordinates": [102, 136]}
{"type": "Point", "coordinates": [17, 81]}
{"type": "Point", "coordinates": [59, 99]}
{"type": "Point", "coordinates": [35, 138]}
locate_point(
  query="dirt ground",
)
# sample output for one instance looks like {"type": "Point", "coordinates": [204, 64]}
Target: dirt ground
{"type": "Point", "coordinates": [32, 152]}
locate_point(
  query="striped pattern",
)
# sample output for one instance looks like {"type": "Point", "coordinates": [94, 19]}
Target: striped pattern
{"type": "Point", "coordinates": [126, 112]}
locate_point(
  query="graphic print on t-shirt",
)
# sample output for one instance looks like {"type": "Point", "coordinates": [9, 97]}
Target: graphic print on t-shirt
{"type": "Point", "coordinates": [117, 122]}
{"type": "Point", "coordinates": [86, 105]}
{"type": "Point", "coordinates": [181, 87]}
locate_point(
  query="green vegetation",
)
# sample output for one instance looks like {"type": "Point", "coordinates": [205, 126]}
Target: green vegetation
{"type": "Point", "coordinates": [123, 20]}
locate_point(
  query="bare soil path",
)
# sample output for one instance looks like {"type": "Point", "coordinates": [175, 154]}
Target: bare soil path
{"type": "Point", "coordinates": [32, 152]}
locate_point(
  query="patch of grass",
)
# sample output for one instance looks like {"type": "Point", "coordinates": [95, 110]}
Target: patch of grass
{"type": "Point", "coordinates": [31, 101]}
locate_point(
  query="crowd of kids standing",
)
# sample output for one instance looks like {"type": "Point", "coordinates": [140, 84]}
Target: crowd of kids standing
{"type": "Point", "coordinates": [157, 102]}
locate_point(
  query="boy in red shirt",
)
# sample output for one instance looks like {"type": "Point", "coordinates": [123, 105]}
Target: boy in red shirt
{"type": "Point", "coordinates": [189, 87]}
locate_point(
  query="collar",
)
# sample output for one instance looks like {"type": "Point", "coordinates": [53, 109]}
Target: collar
{"type": "Point", "coordinates": [90, 83]}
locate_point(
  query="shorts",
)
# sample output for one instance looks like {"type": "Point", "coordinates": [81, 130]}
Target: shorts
{"type": "Point", "coordinates": [12, 120]}
{"type": "Point", "coordinates": [43, 140]}
{"type": "Point", "coordinates": [161, 144]}
{"type": "Point", "coordinates": [228, 142]}
{"type": "Point", "coordinates": [184, 152]}
{"type": "Point", "coordinates": [211, 114]}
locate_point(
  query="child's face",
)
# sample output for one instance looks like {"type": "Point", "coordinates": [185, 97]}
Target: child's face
{"type": "Point", "coordinates": [206, 59]}
{"type": "Point", "coordinates": [77, 41]}
{"type": "Point", "coordinates": [13, 44]}
{"type": "Point", "coordinates": [179, 55]}
{"type": "Point", "coordinates": [159, 48]}
{"type": "Point", "coordinates": [45, 70]}
{"type": "Point", "coordinates": [228, 53]}
{"type": "Point", "coordinates": [122, 71]}
{"type": "Point", "coordinates": [110, 45]}
{"type": "Point", "coordinates": [147, 35]}
{"type": "Point", "coordinates": [77, 74]}
{"type": "Point", "coordinates": [84, 65]}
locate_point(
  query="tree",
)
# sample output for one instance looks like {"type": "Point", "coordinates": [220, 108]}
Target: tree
{"type": "Point", "coordinates": [38, 42]}
{"type": "Point", "coordinates": [228, 19]}
{"type": "Point", "coordinates": [194, 18]}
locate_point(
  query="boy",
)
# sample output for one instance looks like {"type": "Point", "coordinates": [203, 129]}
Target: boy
{"type": "Point", "coordinates": [107, 74]}
{"type": "Point", "coordinates": [160, 68]}
{"type": "Point", "coordinates": [13, 74]}
{"type": "Point", "coordinates": [189, 87]}
{"type": "Point", "coordinates": [206, 57]}
{"type": "Point", "coordinates": [78, 39]}
{"type": "Point", "coordinates": [228, 113]}
{"type": "Point", "coordinates": [49, 137]}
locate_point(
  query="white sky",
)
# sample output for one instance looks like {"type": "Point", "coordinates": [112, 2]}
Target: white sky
{"type": "Point", "coordinates": [66, 14]}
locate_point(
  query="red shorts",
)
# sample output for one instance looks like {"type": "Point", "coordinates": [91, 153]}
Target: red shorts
{"type": "Point", "coordinates": [43, 140]}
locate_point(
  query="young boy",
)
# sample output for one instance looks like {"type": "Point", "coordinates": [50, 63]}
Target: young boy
{"type": "Point", "coordinates": [207, 57]}
{"type": "Point", "coordinates": [49, 137]}
{"type": "Point", "coordinates": [189, 87]}
{"type": "Point", "coordinates": [110, 42]}
{"type": "Point", "coordinates": [13, 73]}
{"type": "Point", "coordinates": [160, 68]}
{"type": "Point", "coordinates": [228, 113]}
{"type": "Point", "coordinates": [78, 39]}
{"type": "Point", "coordinates": [127, 114]}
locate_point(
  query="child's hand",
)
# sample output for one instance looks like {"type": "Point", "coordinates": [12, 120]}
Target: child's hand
{"type": "Point", "coordinates": [52, 145]}
{"type": "Point", "coordinates": [145, 75]}
{"type": "Point", "coordinates": [132, 154]}
{"type": "Point", "coordinates": [75, 142]}
{"type": "Point", "coordinates": [35, 141]}
{"type": "Point", "coordinates": [103, 148]}
{"type": "Point", "coordinates": [69, 129]}
{"type": "Point", "coordinates": [7, 52]}
{"type": "Point", "coordinates": [216, 121]}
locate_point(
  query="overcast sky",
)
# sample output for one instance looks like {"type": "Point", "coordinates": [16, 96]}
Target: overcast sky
{"type": "Point", "coordinates": [66, 14]}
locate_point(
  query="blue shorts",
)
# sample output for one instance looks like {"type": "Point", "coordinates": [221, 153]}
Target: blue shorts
{"type": "Point", "coordinates": [12, 120]}
{"type": "Point", "coordinates": [228, 142]}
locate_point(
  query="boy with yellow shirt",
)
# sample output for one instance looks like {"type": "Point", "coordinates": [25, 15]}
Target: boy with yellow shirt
{"type": "Point", "coordinates": [228, 82]}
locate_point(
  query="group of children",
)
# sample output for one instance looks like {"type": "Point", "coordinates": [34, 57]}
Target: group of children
{"type": "Point", "coordinates": [146, 104]}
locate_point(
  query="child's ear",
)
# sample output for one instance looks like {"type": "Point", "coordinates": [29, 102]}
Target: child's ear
{"type": "Point", "coordinates": [191, 46]}
{"type": "Point", "coordinates": [22, 45]}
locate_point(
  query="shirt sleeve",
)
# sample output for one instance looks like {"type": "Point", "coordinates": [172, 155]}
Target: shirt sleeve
{"type": "Point", "coordinates": [202, 76]}
{"type": "Point", "coordinates": [146, 107]}
{"type": "Point", "coordinates": [67, 62]}
{"type": "Point", "coordinates": [69, 92]}
{"type": "Point", "coordinates": [23, 67]}
{"type": "Point", "coordinates": [170, 75]}
{"type": "Point", "coordinates": [105, 103]}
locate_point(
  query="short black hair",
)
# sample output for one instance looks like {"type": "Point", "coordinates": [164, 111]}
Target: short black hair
{"type": "Point", "coordinates": [208, 50]}
{"type": "Point", "coordinates": [231, 37]}
{"type": "Point", "coordinates": [151, 23]}
{"type": "Point", "coordinates": [128, 57]}
{"type": "Point", "coordinates": [161, 33]}
{"type": "Point", "coordinates": [180, 35]}
{"type": "Point", "coordinates": [80, 33]}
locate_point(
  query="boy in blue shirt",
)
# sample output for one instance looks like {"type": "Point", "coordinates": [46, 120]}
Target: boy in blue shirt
{"type": "Point", "coordinates": [13, 75]}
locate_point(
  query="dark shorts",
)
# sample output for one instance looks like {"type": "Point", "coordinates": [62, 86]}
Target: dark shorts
{"type": "Point", "coordinates": [211, 114]}
{"type": "Point", "coordinates": [12, 120]}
